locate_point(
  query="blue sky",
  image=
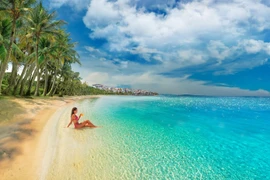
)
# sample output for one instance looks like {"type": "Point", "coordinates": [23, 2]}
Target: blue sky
{"type": "Point", "coordinates": [204, 47]}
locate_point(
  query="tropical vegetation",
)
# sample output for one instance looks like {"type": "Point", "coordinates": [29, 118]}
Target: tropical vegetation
{"type": "Point", "coordinates": [40, 51]}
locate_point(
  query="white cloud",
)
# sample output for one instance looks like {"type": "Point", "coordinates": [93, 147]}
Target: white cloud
{"type": "Point", "coordinates": [183, 24]}
{"type": "Point", "coordinates": [91, 49]}
{"type": "Point", "coordinates": [142, 50]}
{"type": "Point", "coordinates": [138, 76]}
{"type": "Point", "coordinates": [102, 13]}
{"type": "Point", "coordinates": [189, 34]}
{"type": "Point", "coordinates": [255, 46]}
{"type": "Point", "coordinates": [218, 50]}
{"type": "Point", "coordinates": [236, 66]}
{"type": "Point", "coordinates": [178, 60]}
{"type": "Point", "coordinates": [218, 33]}
{"type": "Point", "coordinates": [191, 57]}
{"type": "Point", "coordinates": [169, 85]}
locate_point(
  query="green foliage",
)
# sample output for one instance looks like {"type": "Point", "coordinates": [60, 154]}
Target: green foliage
{"type": "Point", "coordinates": [5, 29]}
{"type": "Point", "coordinates": [42, 23]}
{"type": "Point", "coordinates": [40, 46]}
{"type": "Point", "coordinates": [3, 52]}
{"type": "Point", "coordinates": [5, 80]}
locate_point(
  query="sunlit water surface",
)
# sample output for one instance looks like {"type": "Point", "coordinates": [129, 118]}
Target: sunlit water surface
{"type": "Point", "coordinates": [164, 138]}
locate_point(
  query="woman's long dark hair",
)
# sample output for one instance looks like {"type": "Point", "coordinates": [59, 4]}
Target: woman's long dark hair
{"type": "Point", "coordinates": [72, 111]}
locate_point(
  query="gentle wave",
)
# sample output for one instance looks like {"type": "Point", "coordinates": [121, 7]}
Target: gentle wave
{"type": "Point", "coordinates": [164, 138]}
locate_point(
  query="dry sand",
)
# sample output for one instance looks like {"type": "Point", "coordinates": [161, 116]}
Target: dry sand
{"type": "Point", "coordinates": [21, 125]}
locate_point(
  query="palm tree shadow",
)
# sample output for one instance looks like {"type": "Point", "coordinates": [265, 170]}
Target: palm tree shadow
{"type": "Point", "coordinates": [10, 138]}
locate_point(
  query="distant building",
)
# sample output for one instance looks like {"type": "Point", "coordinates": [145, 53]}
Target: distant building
{"type": "Point", "coordinates": [138, 92]}
{"type": "Point", "coordinates": [98, 86]}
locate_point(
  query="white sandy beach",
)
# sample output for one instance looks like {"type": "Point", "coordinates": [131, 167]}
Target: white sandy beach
{"type": "Point", "coordinates": [27, 139]}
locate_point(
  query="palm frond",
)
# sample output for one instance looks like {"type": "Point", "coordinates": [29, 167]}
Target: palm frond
{"type": "Point", "coordinates": [3, 52]}
{"type": "Point", "coordinates": [16, 49]}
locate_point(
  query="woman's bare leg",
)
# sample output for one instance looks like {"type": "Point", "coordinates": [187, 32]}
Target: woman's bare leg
{"type": "Point", "coordinates": [86, 123]}
{"type": "Point", "coordinates": [89, 124]}
{"type": "Point", "coordinates": [81, 125]}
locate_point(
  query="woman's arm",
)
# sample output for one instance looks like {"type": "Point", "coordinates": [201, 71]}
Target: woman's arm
{"type": "Point", "coordinates": [80, 116]}
{"type": "Point", "coordinates": [71, 120]}
{"type": "Point", "coordinates": [70, 123]}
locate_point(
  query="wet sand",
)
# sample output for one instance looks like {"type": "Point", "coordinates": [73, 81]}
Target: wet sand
{"type": "Point", "coordinates": [22, 123]}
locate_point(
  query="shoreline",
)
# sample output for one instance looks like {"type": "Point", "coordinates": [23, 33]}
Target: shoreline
{"type": "Point", "coordinates": [22, 134]}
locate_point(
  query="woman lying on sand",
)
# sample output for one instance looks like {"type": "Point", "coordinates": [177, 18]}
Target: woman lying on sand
{"type": "Point", "coordinates": [75, 119]}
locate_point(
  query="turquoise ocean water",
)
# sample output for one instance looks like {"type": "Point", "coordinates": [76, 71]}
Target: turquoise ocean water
{"type": "Point", "coordinates": [166, 137]}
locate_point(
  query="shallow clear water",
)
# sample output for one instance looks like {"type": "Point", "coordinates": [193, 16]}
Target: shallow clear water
{"type": "Point", "coordinates": [165, 138]}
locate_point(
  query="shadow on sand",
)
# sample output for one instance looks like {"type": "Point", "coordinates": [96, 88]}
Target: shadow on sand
{"type": "Point", "coordinates": [9, 109]}
{"type": "Point", "coordinates": [12, 132]}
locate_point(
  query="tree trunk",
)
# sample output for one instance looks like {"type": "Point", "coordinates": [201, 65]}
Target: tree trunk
{"type": "Point", "coordinates": [12, 79]}
{"type": "Point", "coordinates": [50, 93]}
{"type": "Point", "coordinates": [27, 76]}
{"type": "Point", "coordinates": [46, 79]}
{"type": "Point", "coordinates": [50, 80]}
{"type": "Point", "coordinates": [28, 93]}
{"type": "Point", "coordinates": [5, 62]}
{"type": "Point", "coordinates": [13, 73]}
{"type": "Point", "coordinates": [37, 84]}
{"type": "Point", "coordinates": [55, 89]}
{"type": "Point", "coordinates": [19, 80]}
{"type": "Point", "coordinates": [2, 73]}
{"type": "Point", "coordinates": [38, 69]}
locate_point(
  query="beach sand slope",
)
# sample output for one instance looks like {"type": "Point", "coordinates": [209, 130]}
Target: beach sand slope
{"type": "Point", "coordinates": [21, 126]}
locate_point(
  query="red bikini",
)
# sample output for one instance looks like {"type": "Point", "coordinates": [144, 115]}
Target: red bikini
{"type": "Point", "coordinates": [77, 123]}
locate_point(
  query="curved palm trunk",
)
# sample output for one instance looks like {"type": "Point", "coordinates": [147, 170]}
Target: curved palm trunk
{"type": "Point", "coordinates": [12, 79]}
{"type": "Point", "coordinates": [55, 90]}
{"type": "Point", "coordinates": [20, 79]}
{"type": "Point", "coordinates": [2, 73]}
{"type": "Point", "coordinates": [37, 84]}
{"type": "Point", "coordinates": [5, 62]}
{"type": "Point", "coordinates": [38, 69]}
{"type": "Point", "coordinates": [31, 79]}
{"type": "Point", "coordinates": [46, 79]}
{"type": "Point", "coordinates": [51, 92]}
{"type": "Point", "coordinates": [24, 80]}
{"type": "Point", "coordinates": [27, 76]}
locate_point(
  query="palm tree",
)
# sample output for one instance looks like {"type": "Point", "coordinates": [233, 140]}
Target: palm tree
{"type": "Point", "coordinates": [46, 53]}
{"type": "Point", "coordinates": [18, 58]}
{"type": "Point", "coordinates": [64, 53]}
{"type": "Point", "coordinates": [15, 9]}
{"type": "Point", "coordinates": [5, 27]}
{"type": "Point", "coordinates": [26, 45]}
{"type": "Point", "coordinates": [5, 30]}
{"type": "Point", "coordinates": [41, 23]}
